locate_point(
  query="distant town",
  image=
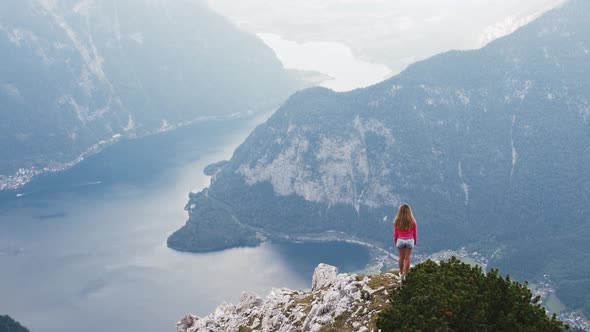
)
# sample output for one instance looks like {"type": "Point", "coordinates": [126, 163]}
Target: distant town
{"type": "Point", "coordinates": [25, 175]}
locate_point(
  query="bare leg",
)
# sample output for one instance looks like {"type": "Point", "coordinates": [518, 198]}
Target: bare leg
{"type": "Point", "coordinates": [407, 253]}
{"type": "Point", "coordinates": [402, 256]}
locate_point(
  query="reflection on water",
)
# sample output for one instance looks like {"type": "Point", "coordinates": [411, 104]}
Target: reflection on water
{"type": "Point", "coordinates": [85, 249]}
{"type": "Point", "coordinates": [303, 258]}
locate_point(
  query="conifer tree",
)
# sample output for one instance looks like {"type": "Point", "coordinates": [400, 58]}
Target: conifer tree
{"type": "Point", "coordinates": [454, 296]}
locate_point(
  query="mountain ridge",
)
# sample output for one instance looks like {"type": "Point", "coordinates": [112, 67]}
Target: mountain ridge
{"type": "Point", "coordinates": [337, 301]}
{"type": "Point", "coordinates": [445, 295]}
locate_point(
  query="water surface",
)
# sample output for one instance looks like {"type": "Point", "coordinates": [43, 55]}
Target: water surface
{"type": "Point", "coordinates": [334, 59]}
{"type": "Point", "coordinates": [84, 250]}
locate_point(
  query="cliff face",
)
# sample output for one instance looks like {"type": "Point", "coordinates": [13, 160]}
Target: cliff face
{"type": "Point", "coordinates": [336, 302]}
{"type": "Point", "coordinates": [490, 147]}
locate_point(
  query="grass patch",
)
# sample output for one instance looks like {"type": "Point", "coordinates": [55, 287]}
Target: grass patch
{"type": "Point", "coordinates": [386, 280]}
{"type": "Point", "coordinates": [305, 300]}
{"type": "Point", "coordinates": [339, 324]}
{"type": "Point", "coordinates": [251, 320]}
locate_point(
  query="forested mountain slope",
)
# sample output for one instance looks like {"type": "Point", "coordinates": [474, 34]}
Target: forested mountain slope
{"type": "Point", "coordinates": [76, 74]}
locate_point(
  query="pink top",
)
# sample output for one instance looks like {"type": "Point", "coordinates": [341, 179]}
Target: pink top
{"type": "Point", "coordinates": [410, 233]}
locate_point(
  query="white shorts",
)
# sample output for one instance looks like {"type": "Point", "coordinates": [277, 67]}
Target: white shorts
{"type": "Point", "coordinates": [405, 243]}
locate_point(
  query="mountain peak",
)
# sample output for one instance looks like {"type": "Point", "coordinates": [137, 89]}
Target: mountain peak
{"type": "Point", "coordinates": [336, 301]}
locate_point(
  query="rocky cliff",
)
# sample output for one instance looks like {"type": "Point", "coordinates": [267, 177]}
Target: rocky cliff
{"type": "Point", "coordinates": [336, 302]}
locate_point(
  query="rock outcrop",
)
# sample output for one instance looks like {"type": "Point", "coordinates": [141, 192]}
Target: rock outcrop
{"type": "Point", "coordinates": [336, 301]}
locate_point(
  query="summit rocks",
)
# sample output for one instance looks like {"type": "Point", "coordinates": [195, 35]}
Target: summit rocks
{"type": "Point", "coordinates": [336, 300]}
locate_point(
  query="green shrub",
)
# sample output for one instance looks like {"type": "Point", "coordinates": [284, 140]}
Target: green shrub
{"type": "Point", "coordinates": [455, 296]}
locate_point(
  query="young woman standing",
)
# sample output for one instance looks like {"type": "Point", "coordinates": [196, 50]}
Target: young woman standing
{"type": "Point", "coordinates": [405, 236]}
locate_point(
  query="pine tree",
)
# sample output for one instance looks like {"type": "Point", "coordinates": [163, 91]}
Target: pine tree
{"type": "Point", "coordinates": [454, 296]}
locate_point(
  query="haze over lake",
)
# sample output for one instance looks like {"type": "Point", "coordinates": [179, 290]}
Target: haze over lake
{"type": "Point", "coordinates": [85, 249]}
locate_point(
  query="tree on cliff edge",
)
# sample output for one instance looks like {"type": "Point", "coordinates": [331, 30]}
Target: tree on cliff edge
{"type": "Point", "coordinates": [455, 296]}
{"type": "Point", "coordinates": [7, 324]}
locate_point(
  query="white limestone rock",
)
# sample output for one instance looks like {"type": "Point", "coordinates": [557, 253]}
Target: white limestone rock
{"type": "Point", "coordinates": [285, 310]}
{"type": "Point", "coordinates": [248, 301]}
{"type": "Point", "coordinates": [323, 276]}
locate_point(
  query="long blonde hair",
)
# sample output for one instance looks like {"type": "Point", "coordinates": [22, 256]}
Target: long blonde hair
{"type": "Point", "coordinates": [404, 218]}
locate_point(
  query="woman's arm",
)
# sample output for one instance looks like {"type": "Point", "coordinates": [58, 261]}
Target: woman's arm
{"type": "Point", "coordinates": [415, 232]}
{"type": "Point", "coordinates": [394, 234]}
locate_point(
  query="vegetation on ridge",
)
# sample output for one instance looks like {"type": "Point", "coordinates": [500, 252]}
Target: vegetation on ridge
{"type": "Point", "coordinates": [7, 324]}
{"type": "Point", "coordinates": [454, 296]}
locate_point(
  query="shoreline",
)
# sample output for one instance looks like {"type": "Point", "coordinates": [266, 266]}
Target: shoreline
{"type": "Point", "coordinates": [22, 177]}
{"type": "Point", "coordinates": [379, 258]}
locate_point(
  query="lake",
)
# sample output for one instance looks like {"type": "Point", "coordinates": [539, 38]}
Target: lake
{"type": "Point", "coordinates": [85, 249]}
{"type": "Point", "coordinates": [334, 59]}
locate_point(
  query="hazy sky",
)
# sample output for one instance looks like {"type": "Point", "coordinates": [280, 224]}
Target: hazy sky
{"type": "Point", "coordinates": [390, 32]}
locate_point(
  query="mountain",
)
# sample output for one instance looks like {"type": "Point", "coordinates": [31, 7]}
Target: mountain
{"type": "Point", "coordinates": [459, 298]}
{"type": "Point", "coordinates": [491, 147]}
{"type": "Point", "coordinates": [76, 75]}
{"type": "Point", "coordinates": [7, 324]}
{"type": "Point", "coordinates": [336, 302]}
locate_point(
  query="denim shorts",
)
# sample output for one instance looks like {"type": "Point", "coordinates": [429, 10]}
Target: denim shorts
{"type": "Point", "coordinates": [405, 243]}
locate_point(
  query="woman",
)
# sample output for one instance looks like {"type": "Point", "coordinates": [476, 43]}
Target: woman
{"type": "Point", "coordinates": [405, 236]}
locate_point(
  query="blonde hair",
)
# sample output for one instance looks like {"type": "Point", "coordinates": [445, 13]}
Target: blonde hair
{"type": "Point", "coordinates": [404, 218]}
